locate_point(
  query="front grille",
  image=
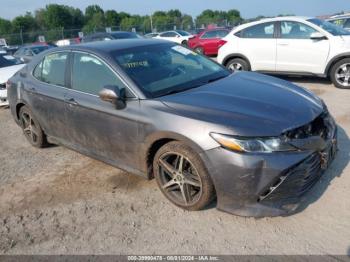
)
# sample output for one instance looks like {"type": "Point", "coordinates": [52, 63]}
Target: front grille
{"type": "Point", "coordinates": [299, 179]}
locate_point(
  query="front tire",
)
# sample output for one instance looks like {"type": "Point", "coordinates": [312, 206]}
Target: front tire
{"type": "Point", "coordinates": [199, 50]}
{"type": "Point", "coordinates": [237, 64]}
{"type": "Point", "coordinates": [31, 128]}
{"type": "Point", "coordinates": [340, 74]}
{"type": "Point", "coordinates": [182, 177]}
{"type": "Point", "coordinates": [184, 43]}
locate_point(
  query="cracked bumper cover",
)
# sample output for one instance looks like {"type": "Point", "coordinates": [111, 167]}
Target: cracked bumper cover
{"type": "Point", "coordinates": [271, 184]}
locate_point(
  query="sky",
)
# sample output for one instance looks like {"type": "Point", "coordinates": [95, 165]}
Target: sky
{"type": "Point", "coordinates": [248, 8]}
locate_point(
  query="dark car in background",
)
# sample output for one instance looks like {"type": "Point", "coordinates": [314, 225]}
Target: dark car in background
{"type": "Point", "coordinates": [109, 36]}
{"type": "Point", "coordinates": [158, 109]}
{"type": "Point", "coordinates": [341, 20]}
{"type": "Point", "coordinates": [208, 42]}
{"type": "Point", "coordinates": [27, 52]}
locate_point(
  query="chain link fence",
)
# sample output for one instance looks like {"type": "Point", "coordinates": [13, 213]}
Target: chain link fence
{"type": "Point", "coordinates": [54, 35]}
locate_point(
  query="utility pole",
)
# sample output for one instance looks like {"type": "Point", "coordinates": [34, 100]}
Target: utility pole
{"type": "Point", "coordinates": [151, 23]}
{"type": "Point", "coordinates": [21, 35]}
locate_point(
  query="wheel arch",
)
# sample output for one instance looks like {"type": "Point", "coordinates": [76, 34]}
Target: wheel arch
{"type": "Point", "coordinates": [335, 60]}
{"type": "Point", "coordinates": [236, 55]}
{"type": "Point", "coordinates": [19, 105]}
{"type": "Point", "coordinates": [155, 141]}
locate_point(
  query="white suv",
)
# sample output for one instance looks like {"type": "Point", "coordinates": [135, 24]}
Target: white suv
{"type": "Point", "coordinates": [290, 45]}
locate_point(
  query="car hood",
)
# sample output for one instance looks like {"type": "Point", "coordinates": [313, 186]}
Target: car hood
{"type": "Point", "coordinates": [248, 104]}
{"type": "Point", "coordinates": [7, 72]}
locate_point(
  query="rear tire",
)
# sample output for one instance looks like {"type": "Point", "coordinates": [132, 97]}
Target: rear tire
{"type": "Point", "coordinates": [31, 128]}
{"type": "Point", "coordinates": [184, 43]}
{"type": "Point", "coordinates": [340, 74]}
{"type": "Point", "coordinates": [182, 177]}
{"type": "Point", "coordinates": [238, 64]}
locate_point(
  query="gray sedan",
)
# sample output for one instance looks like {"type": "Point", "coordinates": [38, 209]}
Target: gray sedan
{"type": "Point", "coordinates": [159, 110]}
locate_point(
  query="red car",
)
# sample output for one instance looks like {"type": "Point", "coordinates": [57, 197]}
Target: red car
{"type": "Point", "coordinates": [208, 42]}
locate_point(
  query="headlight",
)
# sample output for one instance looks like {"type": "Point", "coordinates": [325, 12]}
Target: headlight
{"type": "Point", "coordinates": [262, 145]}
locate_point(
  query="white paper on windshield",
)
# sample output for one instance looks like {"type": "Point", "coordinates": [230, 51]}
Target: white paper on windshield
{"type": "Point", "coordinates": [182, 50]}
{"type": "Point", "coordinates": [8, 57]}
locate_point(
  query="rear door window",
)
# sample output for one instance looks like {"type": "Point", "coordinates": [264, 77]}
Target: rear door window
{"type": "Point", "coordinates": [265, 30]}
{"type": "Point", "coordinates": [52, 69]}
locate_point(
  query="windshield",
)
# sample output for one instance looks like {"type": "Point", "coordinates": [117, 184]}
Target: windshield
{"type": "Point", "coordinates": [167, 68]}
{"type": "Point", "coordinates": [183, 33]}
{"type": "Point", "coordinates": [8, 60]}
{"type": "Point", "coordinates": [329, 27]}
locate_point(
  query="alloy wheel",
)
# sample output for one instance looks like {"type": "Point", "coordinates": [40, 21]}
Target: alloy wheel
{"type": "Point", "coordinates": [342, 75]}
{"type": "Point", "coordinates": [30, 129]}
{"type": "Point", "coordinates": [235, 67]}
{"type": "Point", "coordinates": [179, 179]}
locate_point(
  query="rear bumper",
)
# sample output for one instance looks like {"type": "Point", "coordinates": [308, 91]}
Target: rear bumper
{"type": "Point", "coordinates": [262, 185]}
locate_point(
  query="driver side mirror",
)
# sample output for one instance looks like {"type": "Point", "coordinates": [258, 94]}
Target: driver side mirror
{"type": "Point", "coordinates": [317, 36]}
{"type": "Point", "coordinates": [114, 95]}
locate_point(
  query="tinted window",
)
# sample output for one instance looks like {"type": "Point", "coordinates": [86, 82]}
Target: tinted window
{"type": "Point", "coordinates": [295, 30]}
{"type": "Point", "coordinates": [90, 74]}
{"type": "Point", "coordinates": [209, 35]}
{"type": "Point", "coordinates": [160, 69]}
{"type": "Point", "coordinates": [124, 35]}
{"type": "Point", "coordinates": [183, 33]}
{"type": "Point", "coordinates": [339, 22]}
{"type": "Point", "coordinates": [329, 27]}
{"type": "Point", "coordinates": [265, 30]}
{"type": "Point", "coordinates": [38, 49]}
{"type": "Point", "coordinates": [53, 69]}
{"type": "Point", "coordinates": [347, 23]}
{"type": "Point", "coordinates": [8, 60]}
{"type": "Point", "coordinates": [222, 33]}
{"type": "Point", "coordinates": [168, 34]}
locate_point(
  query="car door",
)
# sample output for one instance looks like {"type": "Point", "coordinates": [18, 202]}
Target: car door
{"type": "Point", "coordinates": [297, 52]}
{"type": "Point", "coordinates": [46, 89]}
{"type": "Point", "coordinates": [258, 44]}
{"type": "Point", "coordinates": [96, 127]}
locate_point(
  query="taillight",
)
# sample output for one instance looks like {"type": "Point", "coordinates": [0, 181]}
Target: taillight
{"type": "Point", "coordinates": [222, 42]}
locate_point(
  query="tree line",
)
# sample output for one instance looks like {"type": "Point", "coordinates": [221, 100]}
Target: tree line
{"type": "Point", "coordinates": [55, 17]}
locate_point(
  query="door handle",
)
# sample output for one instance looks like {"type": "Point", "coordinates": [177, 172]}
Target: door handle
{"type": "Point", "coordinates": [283, 44]}
{"type": "Point", "coordinates": [71, 101]}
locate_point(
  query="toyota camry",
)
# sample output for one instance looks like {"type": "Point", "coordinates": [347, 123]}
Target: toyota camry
{"type": "Point", "coordinates": [156, 109]}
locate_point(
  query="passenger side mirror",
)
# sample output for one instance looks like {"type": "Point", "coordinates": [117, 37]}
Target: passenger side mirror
{"type": "Point", "coordinates": [317, 36]}
{"type": "Point", "coordinates": [114, 95]}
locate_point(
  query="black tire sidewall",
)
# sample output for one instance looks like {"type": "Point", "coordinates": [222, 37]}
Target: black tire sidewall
{"type": "Point", "coordinates": [334, 70]}
{"type": "Point", "coordinates": [208, 191]}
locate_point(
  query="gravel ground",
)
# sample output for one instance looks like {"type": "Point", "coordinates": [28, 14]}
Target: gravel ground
{"type": "Point", "coordinates": [56, 201]}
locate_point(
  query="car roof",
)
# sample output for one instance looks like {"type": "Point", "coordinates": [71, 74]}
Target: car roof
{"type": "Point", "coordinates": [115, 45]}
{"type": "Point", "coordinates": [273, 19]}
{"type": "Point", "coordinates": [339, 16]}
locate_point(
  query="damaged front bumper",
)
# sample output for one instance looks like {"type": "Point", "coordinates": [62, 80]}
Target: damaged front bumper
{"type": "Point", "coordinates": [271, 184]}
